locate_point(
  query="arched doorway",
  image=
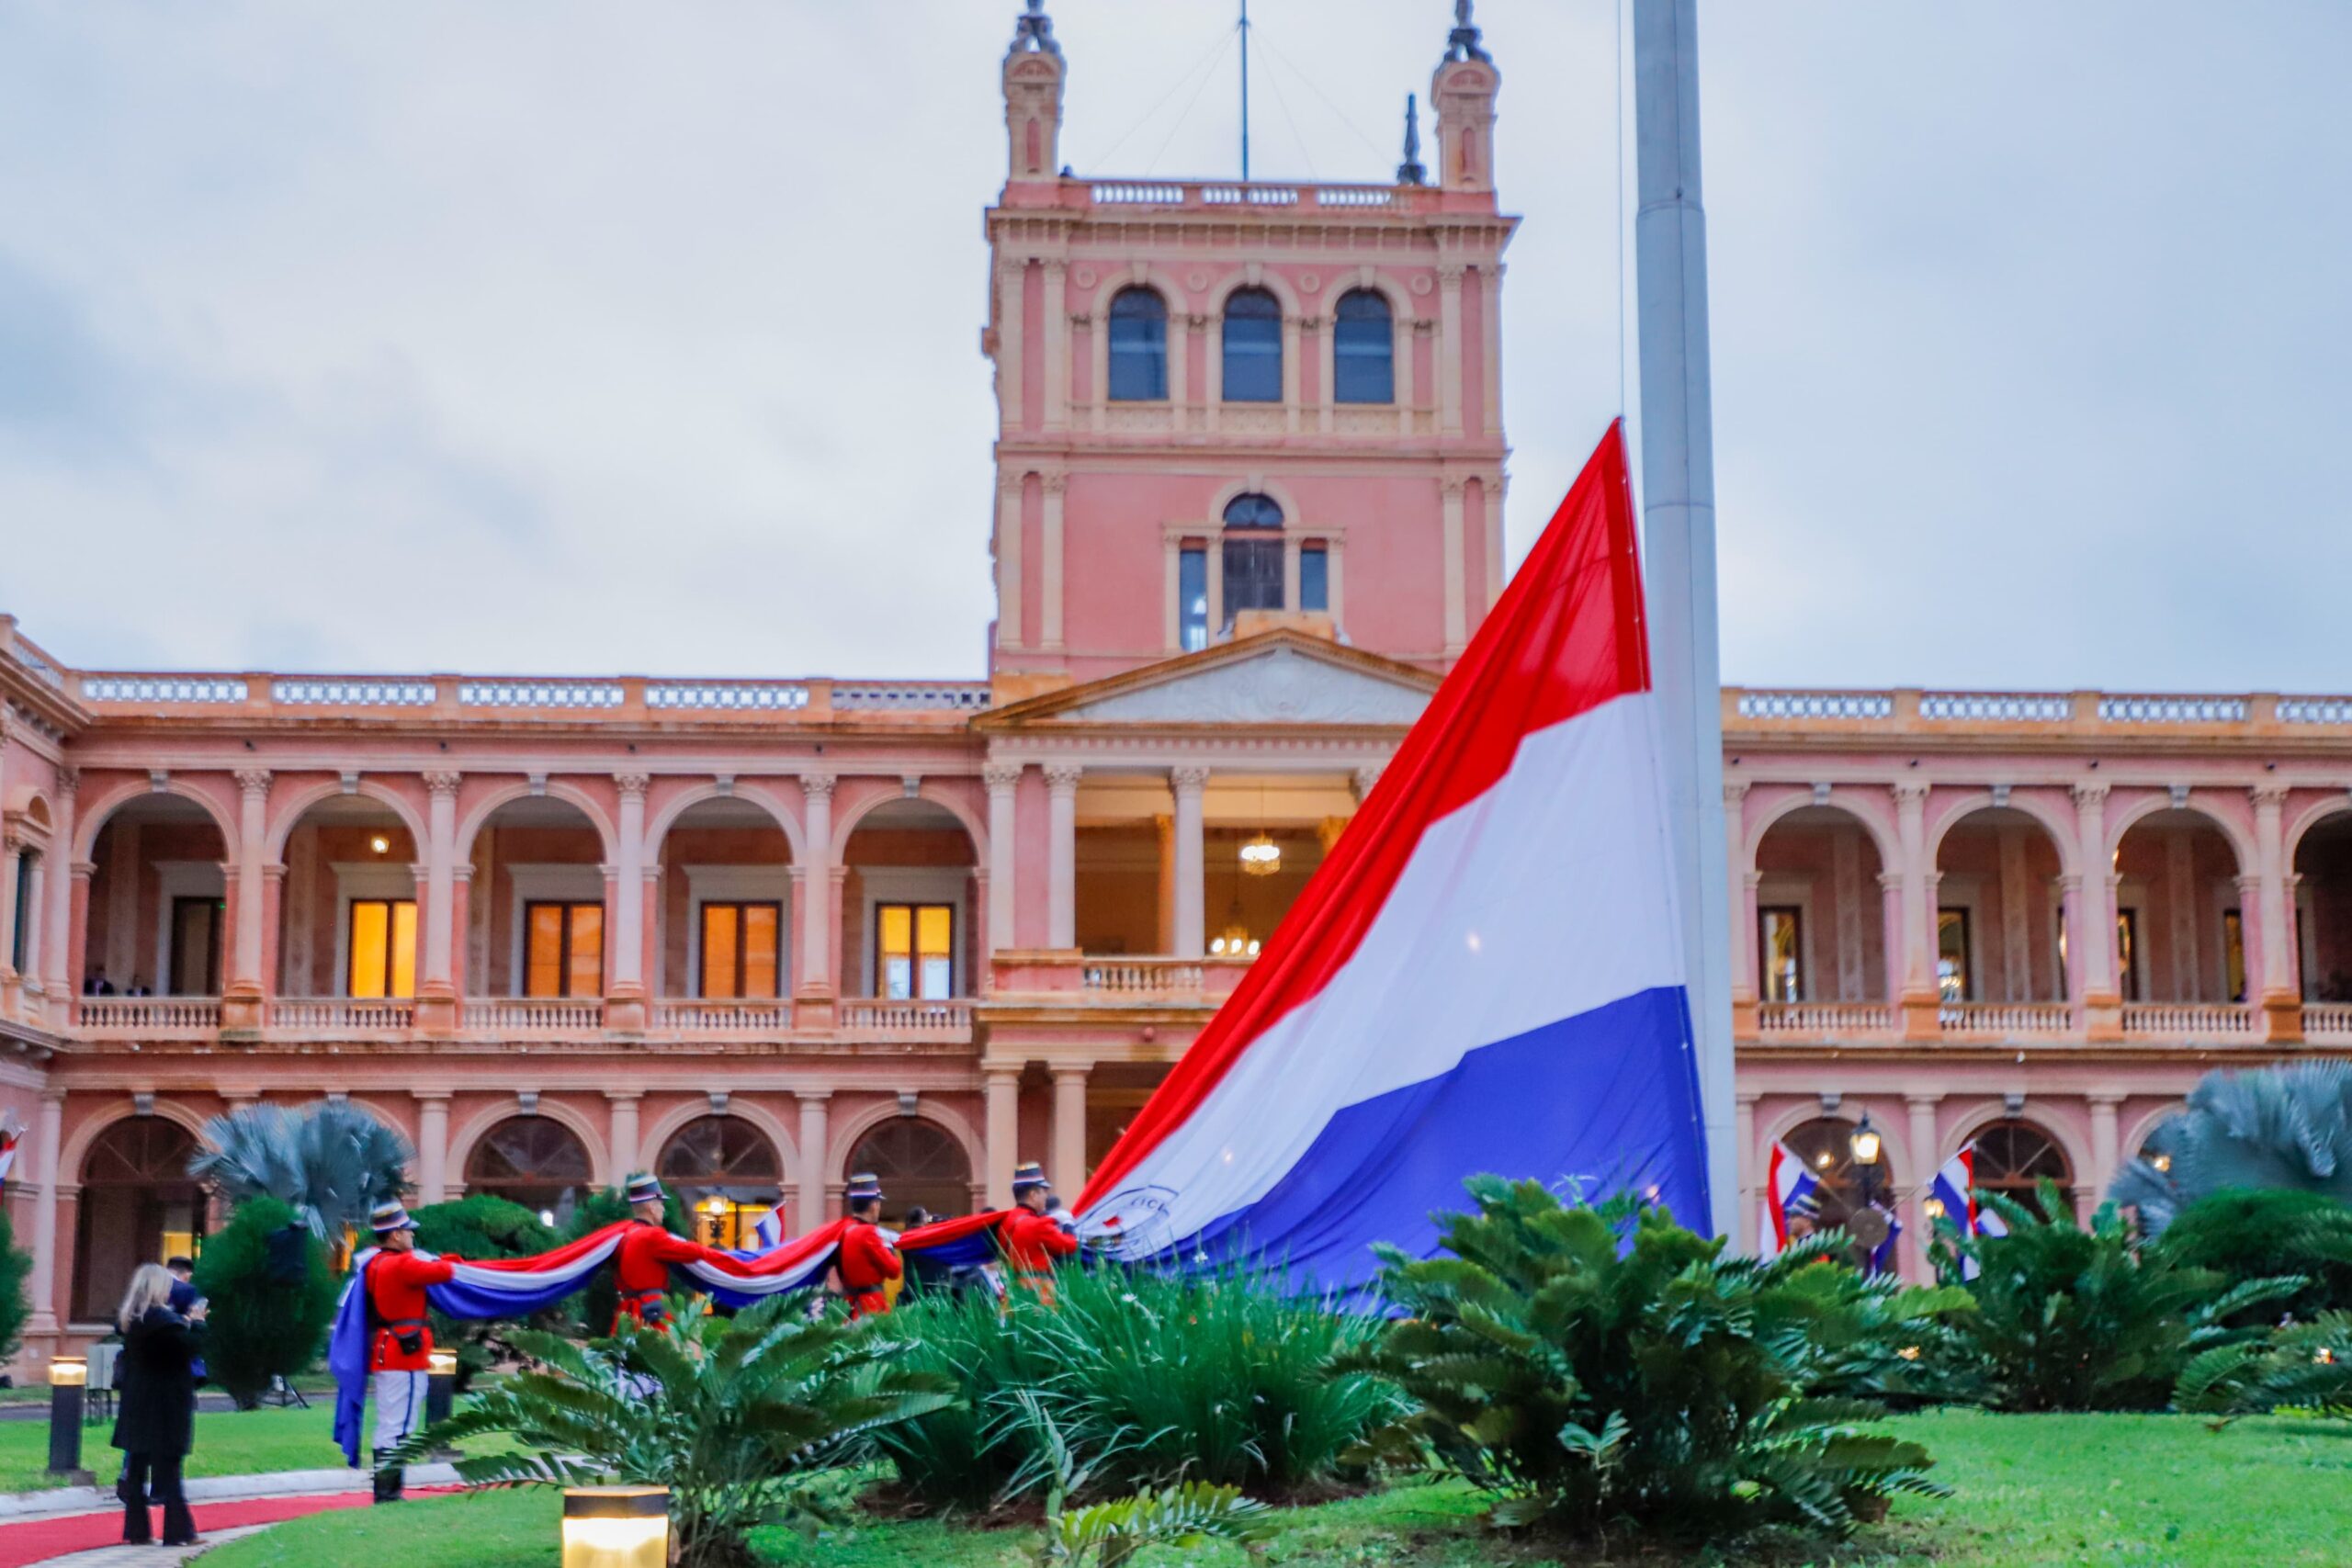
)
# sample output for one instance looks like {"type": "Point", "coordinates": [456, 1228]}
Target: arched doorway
{"type": "Point", "coordinates": [158, 907]}
{"type": "Point", "coordinates": [2324, 909]}
{"type": "Point", "coordinates": [1820, 933]}
{"type": "Point", "coordinates": [532, 1160]}
{"type": "Point", "coordinates": [726, 1174]}
{"type": "Point", "coordinates": [347, 906]}
{"type": "Point", "coordinates": [2012, 1158]}
{"type": "Point", "coordinates": [2179, 927]}
{"type": "Point", "coordinates": [1999, 930]}
{"type": "Point", "coordinates": [536, 904]}
{"type": "Point", "coordinates": [1827, 1146]}
{"type": "Point", "coordinates": [138, 1205]}
{"type": "Point", "coordinates": [724, 905]}
{"type": "Point", "coordinates": [908, 905]}
{"type": "Point", "coordinates": [921, 1164]}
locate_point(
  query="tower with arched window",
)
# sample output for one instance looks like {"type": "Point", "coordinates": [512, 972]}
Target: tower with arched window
{"type": "Point", "coordinates": [1165, 348]}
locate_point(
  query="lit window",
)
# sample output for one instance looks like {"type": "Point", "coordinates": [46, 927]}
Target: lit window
{"type": "Point", "coordinates": [2234, 954]}
{"type": "Point", "coordinates": [1138, 346]}
{"type": "Point", "coordinates": [1952, 955]}
{"type": "Point", "coordinates": [383, 948]}
{"type": "Point", "coordinates": [914, 952]}
{"type": "Point", "coordinates": [563, 950]}
{"type": "Point", "coordinates": [742, 949]}
{"type": "Point", "coordinates": [2127, 947]}
{"type": "Point", "coordinates": [1192, 598]}
{"type": "Point", "coordinates": [1253, 348]}
{"type": "Point", "coordinates": [1363, 354]}
{"type": "Point", "coordinates": [1314, 579]}
{"type": "Point", "coordinates": [1780, 954]}
{"type": "Point", "coordinates": [1253, 556]}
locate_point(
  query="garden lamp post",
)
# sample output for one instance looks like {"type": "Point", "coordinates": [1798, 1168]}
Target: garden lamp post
{"type": "Point", "coordinates": [616, 1526]}
{"type": "Point", "coordinates": [1864, 1147]}
{"type": "Point", "coordinates": [441, 1383]}
{"type": "Point", "coordinates": [68, 1376]}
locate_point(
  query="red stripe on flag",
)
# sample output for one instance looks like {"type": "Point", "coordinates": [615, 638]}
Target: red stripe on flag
{"type": "Point", "coordinates": [555, 1257]}
{"type": "Point", "coordinates": [1566, 637]}
{"type": "Point", "coordinates": [923, 1238]}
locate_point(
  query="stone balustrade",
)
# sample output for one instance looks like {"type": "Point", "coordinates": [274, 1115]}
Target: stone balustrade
{"type": "Point", "coordinates": [357, 1013]}
{"type": "Point", "coordinates": [2191, 1021]}
{"type": "Point", "coordinates": [2007, 1020]}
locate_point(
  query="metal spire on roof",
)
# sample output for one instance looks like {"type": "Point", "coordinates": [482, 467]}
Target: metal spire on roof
{"type": "Point", "coordinates": [1410, 172]}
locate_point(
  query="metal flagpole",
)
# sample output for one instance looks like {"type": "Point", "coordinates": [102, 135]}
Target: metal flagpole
{"type": "Point", "coordinates": [1679, 540]}
{"type": "Point", "coordinates": [1245, 92]}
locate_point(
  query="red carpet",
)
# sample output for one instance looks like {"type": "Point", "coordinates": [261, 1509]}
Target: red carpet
{"type": "Point", "coordinates": [38, 1541]}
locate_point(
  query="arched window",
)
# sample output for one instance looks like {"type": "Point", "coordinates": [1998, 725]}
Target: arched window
{"type": "Point", "coordinates": [1253, 556]}
{"type": "Point", "coordinates": [921, 1163]}
{"type": "Point", "coordinates": [725, 1173]}
{"type": "Point", "coordinates": [20, 937]}
{"type": "Point", "coordinates": [1138, 346]}
{"type": "Point", "coordinates": [2013, 1156]}
{"type": "Point", "coordinates": [1826, 1144]}
{"type": "Point", "coordinates": [1253, 348]}
{"type": "Point", "coordinates": [532, 1160]}
{"type": "Point", "coordinates": [138, 1205]}
{"type": "Point", "coordinates": [1363, 349]}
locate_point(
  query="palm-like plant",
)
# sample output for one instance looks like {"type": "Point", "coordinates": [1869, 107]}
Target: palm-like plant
{"type": "Point", "coordinates": [2286, 1126]}
{"type": "Point", "coordinates": [740, 1418]}
{"type": "Point", "coordinates": [2305, 1366]}
{"type": "Point", "coordinates": [2073, 1317]}
{"type": "Point", "coordinates": [329, 1162]}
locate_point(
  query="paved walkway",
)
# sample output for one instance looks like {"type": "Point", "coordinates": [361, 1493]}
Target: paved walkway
{"type": "Point", "coordinates": [122, 1556]}
{"type": "Point", "coordinates": [84, 1524]}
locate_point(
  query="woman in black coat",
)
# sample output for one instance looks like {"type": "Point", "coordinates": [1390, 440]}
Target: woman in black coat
{"type": "Point", "coordinates": [156, 1420]}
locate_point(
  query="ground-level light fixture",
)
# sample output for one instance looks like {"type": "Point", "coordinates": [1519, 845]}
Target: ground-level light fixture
{"type": "Point", "coordinates": [616, 1526]}
{"type": "Point", "coordinates": [68, 1376]}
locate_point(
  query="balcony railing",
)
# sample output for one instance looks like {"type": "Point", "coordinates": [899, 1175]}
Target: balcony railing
{"type": "Point", "coordinates": [2218, 1021]}
{"type": "Point", "coordinates": [140, 1015]}
{"type": "Point", "coordinates": [1260, 195]}
{"type": "Point", "coordinates": [1143, 976]}
{"type": "Point", "coordinates": [2328, 1022]}
{"type": "Point", "coordinates": [1824, 1018]}
{"type": "Point", "coordinates": [729, 1016]}
{"type": "Point", "coordinates": [2006, 1020]}
{"type": "Point", "coordinates": [530, 1013]}
{"type": "Point", "coordinates": [340, 1012]}
{"type": "Point", "coordinates": [947, 1016]}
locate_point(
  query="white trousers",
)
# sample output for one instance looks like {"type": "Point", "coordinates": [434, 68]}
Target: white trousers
{"type": "Point", "coordinates": [399, 1407]}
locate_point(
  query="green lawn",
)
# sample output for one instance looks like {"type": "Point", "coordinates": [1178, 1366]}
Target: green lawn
{"type": "Point", "coordinates": [2032, 1490]}
{"type": "Point", "coordinates": [228, 1442]}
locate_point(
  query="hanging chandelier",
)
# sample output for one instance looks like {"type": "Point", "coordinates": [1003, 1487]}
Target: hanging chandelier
{"type": "Point", "coordinates": [1261, 856]}
{"type": "Point", "coordinates": [1234, 941]}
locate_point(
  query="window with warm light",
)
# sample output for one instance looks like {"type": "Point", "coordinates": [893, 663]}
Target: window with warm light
{"type": "Point", "coordinates": [2233, 956]}
{"type": "Point", "coordinates": [2127, 952]}
{"type": "Point", "coordinates": [1780, 953]}
{"type": "Point", "coordinates": [914, 952]}
{"type": "Point", "coordinates": [1953, 969]}
{"type": "Point", "coordinates": [382, 946]}
{"type": "Point", "coordinates": [742, 950]}
{"type": "Point", "coordinates": [563, 952]}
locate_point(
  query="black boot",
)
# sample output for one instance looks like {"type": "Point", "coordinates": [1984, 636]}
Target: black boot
{"type": "Point", "coordinates": [388, 1479]}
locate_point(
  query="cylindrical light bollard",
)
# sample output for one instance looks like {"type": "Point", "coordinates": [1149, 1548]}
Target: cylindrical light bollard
{"type": "Point", "coordinates": [68, 1376]}
{"type": "Point", "coordinates": [616, 1526]}
{"type": "Point", "coordinates": [441, 1383]}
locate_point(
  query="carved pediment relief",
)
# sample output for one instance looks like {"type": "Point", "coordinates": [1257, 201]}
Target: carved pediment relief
{"type": "Point", "coordinates": [1282, 685]}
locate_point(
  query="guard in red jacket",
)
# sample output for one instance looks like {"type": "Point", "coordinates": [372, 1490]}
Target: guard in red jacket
{"type": "Point", "coordinates": [641, 1267]}
{"type": "Point", "coordinates": [1033, 1238]}
{"type": "Point", "coordinates": [399, 1352]}
{"type": "Point", "coordinates": [868, 1262]}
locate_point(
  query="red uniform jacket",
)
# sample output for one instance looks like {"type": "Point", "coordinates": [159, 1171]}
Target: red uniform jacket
{"type": "Point", "coordinates": [865, 1262]}
{"type": "Point", "coordinates": [1032, 1242]}
{"type": "Point", "coordinates": [396, 1282]}
{"type": "Point", "coordinates": [641, 1268]}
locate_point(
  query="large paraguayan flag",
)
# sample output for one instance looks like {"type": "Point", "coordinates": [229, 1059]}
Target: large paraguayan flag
{"type": "Point", "coordinates": [1486, 974]}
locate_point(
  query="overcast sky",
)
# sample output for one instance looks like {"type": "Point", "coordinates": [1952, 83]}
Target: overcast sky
{"type": "Point", "coordinates": [554, 336]}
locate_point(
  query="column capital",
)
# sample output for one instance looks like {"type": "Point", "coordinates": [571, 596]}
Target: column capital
{"type": "Point", "coordinates": [2269, 793]}
{"type": "Point", "coordinates": [996, 1076]}
{"type": "Point", "coordinates": [1189, 776]}
{"type": "Point", "coordinates": [1062, 777]}
{"type": "Point", "coordinates": [275, 871]}
{"type": "Point", "coordinates": [818, 785]}
{"type": "Point", "coordinates": [632, 787]}
{"type": "Point", "coordinates": [253, 781]}
{"type": "Point", "coordinates": [441, 783]}
{"type": "Point", "coordinates": [1067, 1072]}
{"type": "Point", "coordinates": [431, 1096]}
{"type": "Point", "coordinates": [1734, 791]}
{"type": "Point", "coordinates": [810, 1097]}
{"type": "Point", "coordinates": [1923, 1102]}
{"type": "Point", "coordinates": [624, 1096]}
{"type": "Point", "coordinates": [1910, 791]}
{"type": "Point", "coordinates": [1001, 775]}
{"type": "Point", "coordinates": [1450, 274]}
{"type": "Point", "coordinates": [1053, 482]}
{"type": "Point", "coordinates": [1364, 780]}
{"type": "Point", "coordinates": [2090, 793]}
{"type": "Point", "coordinates": [2105, 1099]}
{"type": "Point", "coordinates": [1752, 880]}
{"type": "Point", "coordinates": [1889, 882]}
{"type": "Point", "coordinates": [2247, 884]}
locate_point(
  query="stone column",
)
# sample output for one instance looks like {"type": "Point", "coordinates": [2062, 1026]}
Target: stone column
{"type": "Point", "coordinates": [1061, 855]}
{"type": "Point", "coordinates": [2090, 935]}
{"type": "Point", "coordinates": [1056, 348]}
{"type": "Point", "coordinates": [1070, 1130]}
{"type": "Point", "coordinates": [77, 927]}
{"type": "Point", "coordinates": [1003, 1132]}
{"type": "Point", "coordinates": [1449, 348]}
{"type": "Point", "coordinates": [241, 999]}
{"type": "Point", "coordinates": [437, 990]}
{"type": "Point", "coordinates": [1745, 1129]}
{"type": "Point", "coordinates": [1003, 780]}
{"type": "Point", "coordinates": [1011, 278]}
{"type": "Point", "coordinates": [1008, 559]}
{"type": "Point", "coordinates": [816, 989]}
{"type": "Point", "coordinates": [1050, 569]}
{"type": "Point", "coordinates": [2282, 1006]}
{"type": "Point", "coordinates": [621, 1107]}
{"type": "Point", "coordinates": [625, 1006]}
{"type": "Point", "coordinates": [1924, 1150]}
{"type": "Point", "coordinates": [1191, 910]}
{"type": "Point", "coordinates": [45, 1152]}
{"type": "Point", "coordinates": [432, 1146]}
{"type": "Point", "coordinates": [1490, 351]}
{"type": "Point", "coordinates": [8, 874]}
{"type": "Point", "coordinates": [1743, 909]}
{"type": "Point", "coordinates": [816, 1160]}
{"type": "Point", "coordinates": [1296, 331]}
{"type": "Point", "coordinates": [2106, 1149]}
{"type": "Point", "coordinates": [1921, 996]}
{"type": "Point", "coordinates": [62, 982]}
{"type": "Point", "coordinates": [461, 884]}
{"type": "Point", "coordinates": [1457, 613]}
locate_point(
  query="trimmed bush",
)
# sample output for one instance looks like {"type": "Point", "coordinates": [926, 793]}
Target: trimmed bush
{"type": "Point", "coordinates": [1147, 1379]}
{"type": "Point", "coordinates": [1591, 1365]}
{"type": "Point", "coordinates": [2073, 1317]}
{"type": "Point", "coordinates": [2263, 1233]}
{"type": "Point", "coordinates": [477, 1227]}
{"type": "Point", "coordinates": [273, 1298]}
{"type": "Point", "coordinates": [16, 1302]}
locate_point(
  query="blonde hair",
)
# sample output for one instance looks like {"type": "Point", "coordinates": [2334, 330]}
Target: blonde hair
{"type": "Point", "coordinates": [150, 1287]}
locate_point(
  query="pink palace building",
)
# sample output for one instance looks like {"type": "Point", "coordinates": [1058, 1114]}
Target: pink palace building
{"type": "Point", "coordinates": [756, 933]}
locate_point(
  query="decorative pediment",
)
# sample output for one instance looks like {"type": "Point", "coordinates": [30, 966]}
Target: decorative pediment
{"type": "Point", "coordinates": [1278, 678]}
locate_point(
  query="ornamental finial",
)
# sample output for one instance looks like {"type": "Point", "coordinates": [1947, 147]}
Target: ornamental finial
{"type": "Point", "coordinates": [1461, 43]}
{"type": "Point", "coordinates": [1033, 31]}
{"type": "Point", "coordinates": [1410, 172]}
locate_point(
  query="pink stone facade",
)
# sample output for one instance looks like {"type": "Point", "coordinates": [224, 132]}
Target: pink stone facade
{"type": "Point", "coordinates": [2041, 913]}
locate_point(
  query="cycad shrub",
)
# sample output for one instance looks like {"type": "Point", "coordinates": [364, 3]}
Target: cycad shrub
{"type": "Point", "coordinates": [1589, 1365]}
{"type": "Point", "coordinates": [479, 1227]}
{"type": "Point", "coordinates": [2288, 1126]}
{"type": "Point", "coordinates": [330, 1161]}
{"type": "Point", "coordinates": [16, 1302]}
{"type": "Point", "coordinates": [2263, 1233]}
{"type": "Point", "coordinates": [2077, 1318]}
{"type": "Point", "coordinates": [1147, 1379]}
{"type": "Point", "coordinates": [744, 1419]}
{"type": "Point", "coordinates": [273, 1297]}
{"type": "Point", "coordinates": [2305, 1367]}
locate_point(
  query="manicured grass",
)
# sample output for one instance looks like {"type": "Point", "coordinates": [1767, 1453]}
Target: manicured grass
{"type": "Point", "coordinates": [2032, 1490]}
{"type": "Point", "coordinates": [228, 1442]}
